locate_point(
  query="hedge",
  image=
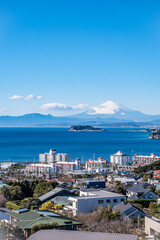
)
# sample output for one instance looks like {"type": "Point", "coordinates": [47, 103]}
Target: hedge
{"type": "Point", "coordinates": [144, 202]}
{"type": "Point", "coordinates": [12, 205]}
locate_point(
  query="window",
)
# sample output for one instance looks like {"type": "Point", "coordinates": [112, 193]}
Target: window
{"type": "Point", "coordinates": [122, 199]}
{"type": "Point", "coordinates": [114, 200]}
{"type": "Point", "coordinates": [100, 201]}
{"type": "Point", "coordinates": [107, 201]}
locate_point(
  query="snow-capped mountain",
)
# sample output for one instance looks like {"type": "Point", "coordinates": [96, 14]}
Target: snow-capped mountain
{"type": "Point", "coordinates": [108, 107]}
{"type": "Point", "coordinates": [111, 109]}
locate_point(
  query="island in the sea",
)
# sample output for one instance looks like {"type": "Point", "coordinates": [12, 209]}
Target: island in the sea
{"type": "Point", "coordinates": [85, 128]}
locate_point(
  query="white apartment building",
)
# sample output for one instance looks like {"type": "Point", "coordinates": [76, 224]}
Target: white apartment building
{"type": "Point", "coordinates": [98, 166]}
{"type": "Point", "coordinates": [53, 156]}
{"type": "Point", "coordinates": [41, 169]}
{"type": "Point", "coordinates": [5, 165]}
{"type": "Point", "coordinates": [140, 159]}
{"type": "Point", "coordinates": [119, 158]}
{"type": "Point", "coordinates": [65, 167]}
{"type": "Point", "coordinates": [51, 164]}
{"type": "Point", "coordinates": [88, 201]}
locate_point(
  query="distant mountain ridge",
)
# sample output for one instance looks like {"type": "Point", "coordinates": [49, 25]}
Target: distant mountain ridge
{"type": "Point", "coordinates": [106, 114]}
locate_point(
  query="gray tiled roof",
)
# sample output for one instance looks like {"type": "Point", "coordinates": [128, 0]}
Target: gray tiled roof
{"type": "Point", "coordinates": [142, 184]}
{"type": "Point", "coordinates": [123, 207]}
{"type": "Point", "coordinates": [137, 189]}
{"type": "Point", "coordinates": [79, 235]}
{"type": "Point", "coordinates": [50, 193]}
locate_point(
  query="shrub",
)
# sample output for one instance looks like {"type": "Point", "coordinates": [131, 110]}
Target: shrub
{"type": "Point", "coordinates": [36, 228]}
{"type": "Point", "coordinates": [12, 205]}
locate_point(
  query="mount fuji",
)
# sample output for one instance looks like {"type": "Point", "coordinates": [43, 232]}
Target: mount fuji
{"type": "Point", "coordinates": [113, 110]}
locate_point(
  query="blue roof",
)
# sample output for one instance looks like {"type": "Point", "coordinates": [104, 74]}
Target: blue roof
{"type": "Point", "coordinates": [4, 216]}
{"type": "Point", "coordinates": [22, 210]}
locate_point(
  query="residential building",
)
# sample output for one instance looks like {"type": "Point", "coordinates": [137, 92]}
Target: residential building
{"type": "Point", "coordinates": [156, 174]}
{"type": "Point", "coordinates": [152, 226]}
{"type": "Point", "coordinates": [140, 159]}
{"type": "Point", "coordinates": [98, 166]}
{"type": "Point", "coordinates": [128, 167]}
{"type": "Point", "coordinates": [65, 181]}
{"type": "Point", "coordinates": [26, 219]}
{"type": "Point", "coordinates": [86, 183]}
{"type": "Point", "coordinates": [79, 235]}
{"type": "Point", "coordinates": [137, 192]}
{"type": "Point", "coordinates": [65, 167]}
{"type": "Point", "coordinates": [48, 169]}
{"type": "Point", "coordinates": [128, 211]}
{"type": "Point", "coordinates": [41, 170]}
{"type": "Point", "coordinates": [89, 200]}
{"type": "Point", "coordinates": [6, 164]}
{"type": "Point", "coordinates": [119, 158]}
{"type": "Point", "coordinates": [53, 156]}
{"type": "Point", "coordinates": [127, 178]}
{"type": "Point", "coordinates": [142, 184]}
{"type": "Point", "coordinates": [123, 179]}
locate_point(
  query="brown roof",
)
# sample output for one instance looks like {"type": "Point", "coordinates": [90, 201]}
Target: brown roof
{"type": "Point", "coordinates": [66, 179]}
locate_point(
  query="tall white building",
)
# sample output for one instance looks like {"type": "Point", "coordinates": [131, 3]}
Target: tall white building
{"type": "Point", "coordinates": [119, 158]}
{"type": "Point", "coordinates": [53, 156]}
{"type": "Point", "coordinates": [51, 164]}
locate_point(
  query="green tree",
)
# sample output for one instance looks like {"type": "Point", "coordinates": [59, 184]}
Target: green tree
{"type": "Point", "coordinates": [13, 193]}
{"type": "Point", "coordinates": [44, 187]}
{"type": "Point", "coordinates": [118, 188]}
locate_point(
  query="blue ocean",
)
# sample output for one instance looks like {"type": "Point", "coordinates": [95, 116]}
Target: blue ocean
{"type": "Point", "coordinates": [25, 144]}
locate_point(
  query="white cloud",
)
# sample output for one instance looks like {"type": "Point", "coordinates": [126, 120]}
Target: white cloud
{"type": "Point", "coordinates": [39, 97]}
{"type": "Point", "coordinates": [81, 107]}
{"type": "Point", "coordinates": [55, 106]}
{"type": "Point", "coordinates": [16, 97]}
{"type": "Point", "coordinates": [61, 106]}
{"type": "Point", "coordinates": [29, 97]}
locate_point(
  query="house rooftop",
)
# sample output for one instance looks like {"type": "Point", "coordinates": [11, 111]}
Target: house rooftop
{"type": "Point", "coordinates": [26, 220]}
{"type": "Point", "coordinates": [138, 189]}
{"type": "Point", "coordinates": [123, 207]}
{"type": "Point", "coordinates": [98, 194]}
{"type": "Point", "coordinates": [79, 235]}
{"type": "Point", "coordinates": [50, 193]}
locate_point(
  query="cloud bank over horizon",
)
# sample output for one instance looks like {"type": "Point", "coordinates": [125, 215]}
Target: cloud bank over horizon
{"type": "Point", "coordinates": [63, 107]}
{"type": "Point", "coordinates": [108, 107]}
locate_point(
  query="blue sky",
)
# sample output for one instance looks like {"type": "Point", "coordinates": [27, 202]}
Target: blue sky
{"type": "Point", "coordinates": [79, 52]}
